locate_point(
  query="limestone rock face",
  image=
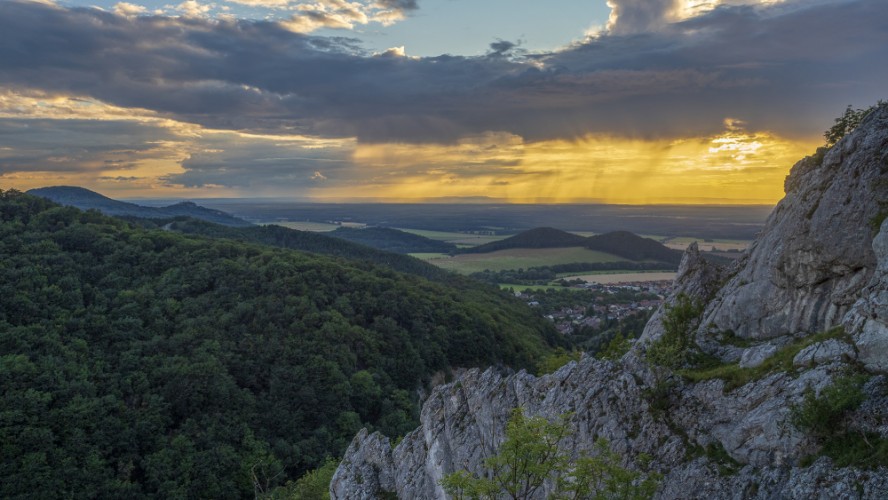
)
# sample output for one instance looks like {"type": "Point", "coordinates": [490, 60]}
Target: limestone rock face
{"type": "Point", "coordinates": [369, 468]}
{"type": "Point", "coordinates": [868, 320]}
{"type": "Point", "coordinates": [696, 277]}
{"type": "Point", "coordinates": [815, 265]}
{"type": "Point", "coordinates": [807, 267]}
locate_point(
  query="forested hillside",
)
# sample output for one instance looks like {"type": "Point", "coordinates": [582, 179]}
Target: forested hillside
{"type": "Point", "coordinates": [392, 240]}
{"type": "Point", "coordinates": [85, 199]}
{"type": "Point", "coordinates": [633, 247]}
{"type": "Point", "coordinates": [145, 363]}
{"type": "Point", "coordinates": [308, 241]}
{"type": "Point", "coordinates": [541, 237]}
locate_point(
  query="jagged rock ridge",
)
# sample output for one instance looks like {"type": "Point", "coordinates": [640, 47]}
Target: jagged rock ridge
{"type": "Point", "coordinates": [815, 265]}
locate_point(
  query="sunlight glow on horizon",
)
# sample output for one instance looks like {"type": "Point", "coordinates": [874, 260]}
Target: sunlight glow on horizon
{"type": "Point", "coordinates": [734, 167]}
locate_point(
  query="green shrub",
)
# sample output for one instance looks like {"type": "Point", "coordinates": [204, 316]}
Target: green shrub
{"type": "Point", "coordinates": [616, 348]}
{"type": "Point", "coordinates": [674, 348]}
{"type": "Point", "coordinates": [846, 123]}
{"type": "Point", "coordinates": [552, 362]}
{"type": "Point", "coordinates": [736, 376]}
{"type": "Point", "coordinates": [823, 415]}
{"type": "Point", "coordinates": [313, 485]}
{"type": "Point", "coordinates": [529, 456]}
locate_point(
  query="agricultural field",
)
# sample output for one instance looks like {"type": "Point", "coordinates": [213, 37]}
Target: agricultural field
{"type": "Point", "coordinates": [705, 245]}
{"type": "Point", "coordinates": [623, 277]}
{"type": "Point", "coordinates": [315, 227]}
{"type": "Point", "coordinates": [517, 258]}
{"type": "Point", "coordinates": [459, 239]}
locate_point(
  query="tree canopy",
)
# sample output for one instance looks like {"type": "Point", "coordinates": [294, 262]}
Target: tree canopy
{"type": "Point", "coordinates": [141, 362]}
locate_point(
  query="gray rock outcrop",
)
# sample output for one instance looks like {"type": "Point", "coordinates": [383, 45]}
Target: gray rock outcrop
{"type": "Point", "coordinates": [814, 266]}
{"type": "Point", "coordinates": [868, 319]}
{"type": "Point", "coordinates": [696, 278]}
{"type": "Point", "coordinates": [807, 267]}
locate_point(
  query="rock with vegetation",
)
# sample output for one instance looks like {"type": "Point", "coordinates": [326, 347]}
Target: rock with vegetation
{"type": "Point", "coordinates": [804, 419]}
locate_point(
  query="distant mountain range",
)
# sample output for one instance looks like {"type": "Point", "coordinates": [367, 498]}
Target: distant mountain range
{"type": "Point", "coordinates": [623, 244]}
{"type": "Point", "coordinates": [85, 199]}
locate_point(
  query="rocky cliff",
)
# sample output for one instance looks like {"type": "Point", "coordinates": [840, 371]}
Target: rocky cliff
{"type": "Point", "coordinates": [814, 266]}
{"type": "Point", "coordinates": [808, 265]}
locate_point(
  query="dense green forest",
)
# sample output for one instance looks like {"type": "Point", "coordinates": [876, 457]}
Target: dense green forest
{"type": "Point", "coordinates": [139, 362]}
{"type": "Point", "coordinates": [306, 241]}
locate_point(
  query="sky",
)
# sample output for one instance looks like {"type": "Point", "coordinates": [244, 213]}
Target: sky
{"type": "Point", "coordinates": [613, 101]}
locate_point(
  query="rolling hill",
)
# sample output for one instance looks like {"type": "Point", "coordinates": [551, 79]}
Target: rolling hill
{"type": "Point", "coordinates": [541, 237]}
{"type": "Point", "coordinates": [633, 247]}
{"type": "Point", "coordinates": [392, 240]}
{"type": "Point", "coordinates": [307, 241]}
{"type": "Point", "coordinates": [622, 244]}
{"type": "Point", "coordinates": [85, 199]}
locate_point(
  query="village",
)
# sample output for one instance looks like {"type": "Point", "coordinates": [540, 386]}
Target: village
{"type": "Point", "coordinates": [593, 307]}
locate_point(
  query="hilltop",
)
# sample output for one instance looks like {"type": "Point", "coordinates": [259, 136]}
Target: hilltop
{"type": "Point", "coordinates": [85, 199]}
{"type": "Point", "coordinates": [622, 244]}
{"type": "Point", "coordinates": [307, 241]}
{"type": "Point", "coordinates": [541, 237]}
{"type": "Point", "coordinates": [392, 240]}
{"type": "Point", "coordinates": [633, 247]}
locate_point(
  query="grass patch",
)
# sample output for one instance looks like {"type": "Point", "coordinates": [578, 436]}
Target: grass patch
{"type": "Point", "coordinates": [430, 255]}
{"type": "Point", "coordinates": [728, 337]}
{"type": "Point", "coordinates": [716, 454]}
{"type": "Point", "coordinates": [315, 227]}
{"type": "Point", "coordinates": [464, 240]}
{"type": "Point", "coordinates": [736, 376]}
{"type": "Point", "coordinates": [522, 258]}
{"type": "Point", "coordinates": [536, 288]}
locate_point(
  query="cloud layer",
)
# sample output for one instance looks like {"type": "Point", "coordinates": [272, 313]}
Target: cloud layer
{"type": "Point", "coordinates": [773, 71]}
{"type": "Point", "coordinates": [660, 70]}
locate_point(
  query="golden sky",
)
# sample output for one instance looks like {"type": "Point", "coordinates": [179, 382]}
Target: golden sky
{"type": "Point", "coordinates": [735, 166]}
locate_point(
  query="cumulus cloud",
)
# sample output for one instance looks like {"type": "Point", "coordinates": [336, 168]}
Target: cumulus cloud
{"type": "Point", "coordinates": [768, 66]}
{"type": "Point", "coordinates": [193, 8]}
{"type": "Point", "coordinates": [309, 16]}
{"type": "Point", "coordinates": [129, 9]}
{"type": "Point", "coordinates": [640, 16]}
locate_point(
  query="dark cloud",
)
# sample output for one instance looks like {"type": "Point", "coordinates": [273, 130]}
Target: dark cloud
{"type": "Point", "coordinates": [45, 145]}
{"type": "Point", "coordinates": [789, 71]}
{"type": "Point", "coordinates": [502, 47]}
{"type": "Point", "coordinates": [399, 4]}
{"type": "Point", "coordinates": [232, 160]}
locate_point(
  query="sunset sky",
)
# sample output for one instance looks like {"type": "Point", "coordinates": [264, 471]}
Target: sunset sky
{"type": "Point", "coordinates": [618, 101]}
